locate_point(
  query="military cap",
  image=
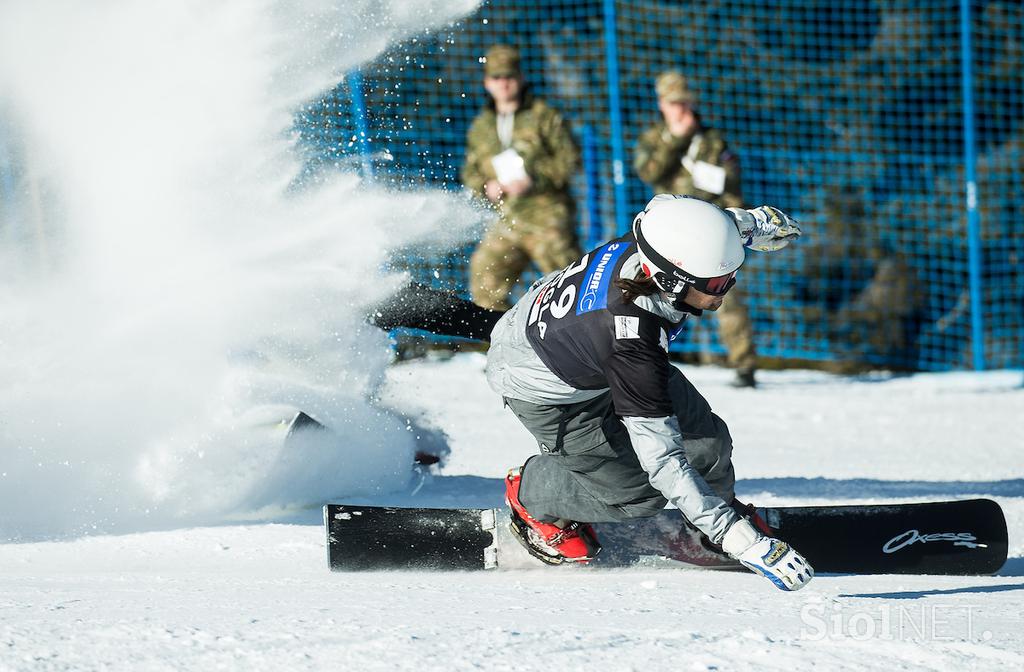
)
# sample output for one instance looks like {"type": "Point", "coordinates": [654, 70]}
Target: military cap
{"type": "Point", "coordinates": [671, 86]}
{"type": "Point", "coordinates": [502, 61]}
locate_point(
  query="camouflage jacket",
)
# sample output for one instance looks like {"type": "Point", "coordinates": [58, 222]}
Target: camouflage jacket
{"type": "Point", "coordinates": [658, 161]}
{"type": "Point", "coordinates": [541, 136]}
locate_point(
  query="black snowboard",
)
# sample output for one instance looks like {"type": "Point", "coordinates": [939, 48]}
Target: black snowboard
{"type": "Point", "coordinates": [961, 537]}
{"type": "Point", "coordinates": [376, 538]}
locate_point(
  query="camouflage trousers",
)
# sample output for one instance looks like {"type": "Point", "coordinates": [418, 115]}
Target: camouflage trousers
{"type": "Point", "coordinates": [508, 248]}
{"type": "Point", "coordinates": [737, 331]}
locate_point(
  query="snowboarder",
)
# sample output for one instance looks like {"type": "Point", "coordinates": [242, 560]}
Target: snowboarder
{"type": "Point", "coordinates": [582, 360]}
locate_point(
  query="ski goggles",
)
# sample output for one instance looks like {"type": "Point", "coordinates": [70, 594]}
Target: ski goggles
{"type": "Point", "coordinates": [717, 286]}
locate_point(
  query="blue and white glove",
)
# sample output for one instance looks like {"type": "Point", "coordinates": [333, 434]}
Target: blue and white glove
{"type": "Point", "coordinates": [765, 229]}
{"type": "Point", "coordinates": [773, 559]}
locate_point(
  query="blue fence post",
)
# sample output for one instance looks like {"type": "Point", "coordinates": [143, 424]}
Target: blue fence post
{"type": "Point", "coordinates": [358, 102]}
{"type": "Point", "coordinates": [611, 60]}
{"type": "Point", "coordinates": [971, 189]}
{"type": "Point", "coordinates": [595, 231]}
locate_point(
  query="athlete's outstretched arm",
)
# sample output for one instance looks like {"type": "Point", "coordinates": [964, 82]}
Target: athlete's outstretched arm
{"type": "Point", "coordinates": [417, 306]}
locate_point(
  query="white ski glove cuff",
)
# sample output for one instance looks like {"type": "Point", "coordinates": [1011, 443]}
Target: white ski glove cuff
{"type": "Point", "coordinates": [773, 559]}
{"type": "Point", "coordinates": [765, 229]}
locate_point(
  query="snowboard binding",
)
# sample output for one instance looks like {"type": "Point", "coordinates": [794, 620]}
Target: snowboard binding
{"type": "Point", "coordinates": [546, 551]}
{"type": "Point", "coordinates": [573, 542]}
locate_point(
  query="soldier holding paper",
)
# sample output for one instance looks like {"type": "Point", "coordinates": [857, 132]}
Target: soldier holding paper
{"type": "Point", "coordinates": [679, 155]}
{"type": "Point", "coordinates": [520, 156]}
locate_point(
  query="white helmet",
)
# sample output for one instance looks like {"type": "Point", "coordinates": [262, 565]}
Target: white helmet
{"type": "Point", "coordinates": [684, 241]}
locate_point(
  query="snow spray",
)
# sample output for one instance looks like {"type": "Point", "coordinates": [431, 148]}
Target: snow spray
{"type": "Point", "coordinates": [186, 302]}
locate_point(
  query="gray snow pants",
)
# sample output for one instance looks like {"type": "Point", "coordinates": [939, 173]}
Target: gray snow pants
{"type": "Point", "coordinates": [587, 470]}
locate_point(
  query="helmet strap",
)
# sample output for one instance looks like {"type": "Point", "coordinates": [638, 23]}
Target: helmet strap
{"type": "Point", "coordinates": [678, 302]}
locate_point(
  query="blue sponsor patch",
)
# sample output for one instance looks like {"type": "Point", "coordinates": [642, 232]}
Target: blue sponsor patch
{"type": "Point", "coordinates": [594, 288]}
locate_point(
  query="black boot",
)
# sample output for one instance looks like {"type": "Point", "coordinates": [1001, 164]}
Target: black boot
{"type": "Point", "coordinates": [744, 379]}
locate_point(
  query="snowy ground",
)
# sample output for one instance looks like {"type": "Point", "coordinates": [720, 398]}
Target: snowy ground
{"type": "Point", "coordinates": [259, 597]}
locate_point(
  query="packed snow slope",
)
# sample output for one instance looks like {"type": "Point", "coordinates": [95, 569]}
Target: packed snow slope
{"type": "Point", "coordinates": [258, 596]}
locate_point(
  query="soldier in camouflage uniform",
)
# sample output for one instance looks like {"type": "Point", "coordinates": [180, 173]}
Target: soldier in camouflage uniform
{"type": "Point", "coordinates": [536, 213]}
{"type": "Point", "coordinates": [681, 156]}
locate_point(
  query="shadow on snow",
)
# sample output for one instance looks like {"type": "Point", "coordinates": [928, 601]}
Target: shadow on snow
{"type": "Point", "coordinates": [918, 594]}
{"type": "Point", "coordinates": [865, 488]}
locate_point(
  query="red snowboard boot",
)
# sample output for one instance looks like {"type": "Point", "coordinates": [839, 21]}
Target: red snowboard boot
{"type": "Point", "coordinates": [573, 542]}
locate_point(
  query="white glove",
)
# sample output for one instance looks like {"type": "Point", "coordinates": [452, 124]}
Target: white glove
{"type": "Point", "coordinates": [765, 229]}
{"type": "Point", "coordinates": [775, 560]}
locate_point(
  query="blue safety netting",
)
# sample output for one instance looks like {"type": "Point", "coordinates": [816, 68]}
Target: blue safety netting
{"type": "Point", "coordinates": [893, 130]}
